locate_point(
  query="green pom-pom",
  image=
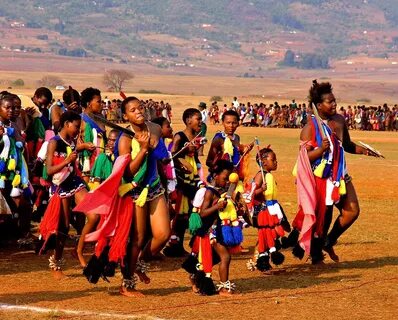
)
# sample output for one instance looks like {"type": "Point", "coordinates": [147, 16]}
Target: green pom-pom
{"type": "Point", "coordinates": [44, 173]}
{"type": "Point", "coordinates": [195, 222]}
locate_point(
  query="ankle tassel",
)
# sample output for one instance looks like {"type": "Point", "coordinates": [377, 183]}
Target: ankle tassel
{"type": "Point", "coordinates": [54, 264]}
{"type": "Point", "coordinates": [142, 266]}
{"type": "Point", "coordinates": [129, 283]}
{"type": "Point", "coordinates": [230, 286]}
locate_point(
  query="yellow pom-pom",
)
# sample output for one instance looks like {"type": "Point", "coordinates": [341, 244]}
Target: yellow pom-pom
{"type": "Point", "coordinates": [240, 187]}
{"type": "Point", "coordinates": [318, 172]}
{"type": "Point", "coordinates": [125, 188]}
{"type": "Point", "coordinates": [141, 200]}
{"type": "Point", "coordinates": [90, 185]}
{"type": "Point", "coordinates": [229, 212]}
{"type": "Point", "coordinates": [68, 151]}
{"type": "Point", "coordinates": [135, 148]}
{"type": "Point", "coordinates": [17, 180]}
{"type": "Point", "coordinates": [228, 146]}
{"type": "Point", "coordinates": [233, 177]}
{"type": "Point", "coordinates": [342, 188]}
{"type": "Point", "coordinates": [184, 205]}
{"type": "Point", "coordinates": [294, 171]}
{"type": "Point", "coordinates": [12, 164]}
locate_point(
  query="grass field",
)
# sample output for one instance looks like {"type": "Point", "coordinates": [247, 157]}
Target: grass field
{"type": "Point", "coordinates": [362, 286]}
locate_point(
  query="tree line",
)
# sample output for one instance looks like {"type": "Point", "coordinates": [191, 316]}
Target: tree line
{"type": "Point", "coordinates": [305, 60]}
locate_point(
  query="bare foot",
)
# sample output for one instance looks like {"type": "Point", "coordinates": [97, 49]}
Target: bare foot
{"type": "Point", "coordinates": [332, 254]}
{"type": "Point", "coordinates": [267, 272]}
{"type": "Point", "coordinates": [58, 274]}
{"type": "Point", "coordinates": [143, 277]}
{"type": "Point", "coordinates": [319, 264]}
{"type": "Point", "coordinates": [277, 271]}
{"type": "Point", "coordinates": [80, 256]}
{"type": "Point", "coordinates": [130, 293]}
{"type": "Point", "coordinates": [195, 289]}
{"type": "Point", "coordinates": [224, 292]}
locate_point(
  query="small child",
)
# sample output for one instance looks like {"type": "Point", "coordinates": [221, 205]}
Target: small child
{"type": "Point", "coordinates": [168, 174]}
{"type": "Point", "coordinates": [268, 216]}
{"type": "Point", "coordinates": [217, 228]}
{"type": "Point", "coordinates": [165, 125]}
{"type": "Point", "coordinates": [103, 164]}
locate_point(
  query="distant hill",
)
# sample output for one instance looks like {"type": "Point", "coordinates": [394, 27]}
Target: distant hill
{"type": "Point", "coordinates": [245, 36]}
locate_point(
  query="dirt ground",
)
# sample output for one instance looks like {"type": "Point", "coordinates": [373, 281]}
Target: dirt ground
{"type": "Point", "coordinates": [362, 286]}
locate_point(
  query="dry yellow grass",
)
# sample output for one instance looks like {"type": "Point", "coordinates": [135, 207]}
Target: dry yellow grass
{"type": "Point", "coordinates": [190, 89]}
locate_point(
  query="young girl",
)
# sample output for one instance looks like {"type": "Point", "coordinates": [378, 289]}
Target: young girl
{"type": "Point", "coordinates": [187, 178]}
{"type": "Point", "coordinates": [126, 209]}
{"type": "Point", "coordinates": [167, 130]}
{"type": "Point", "coordinates": [61, 167]}
{"type": "Point", "coordinates": [268, 216]}
{"type": "Point", "coordinates": [218, 214]}
{"type": "Point", "coordinates": [103, 165]}
{"type": "Point", "coordinates": [226, 145]}
{"type": "Point", "coordinates": [168, 174]}
{"type": "Point", "coordinates": [14, 181]}
{"type": "Point", "coordinates": [92, 137]}
{"type": "Point", "coordinates": [91, 131]}
{"type": "Point", "coordinates": [146, 149]}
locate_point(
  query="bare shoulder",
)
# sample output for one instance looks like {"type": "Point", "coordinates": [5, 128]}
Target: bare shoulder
{"type": "Point", "coordinates": [124, 144]}
{"type": "Point", "coordinates": [82, 125]}
{"type": "Point", "coordinates": [305, 133]}
{"type": "Point", "coordinates": [156, 133]}
{"type": "Point", "coordinates": [154, 128]}
{"type": "Point", "coordinates": [52, 142]}
{"type": "Point", "coordinates": [217, 140]}
{"type": "Point", "coordinates": [209, 195]}
{"type": "Point", "coordinates": [124, 138]}
{"type": "Point", "coordinates": [338, 119]}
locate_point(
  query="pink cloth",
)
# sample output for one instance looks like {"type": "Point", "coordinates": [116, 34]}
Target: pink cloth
{"type": "Point", "coordinates": [306, 196]}
{"type": "Point", "coordinates": [48, 135]}
{"type": "Point", "coordinates": [100, 200]}
{"type": "Point", "coordinates": [116, 213]}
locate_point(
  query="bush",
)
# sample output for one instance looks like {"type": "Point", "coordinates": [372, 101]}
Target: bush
{"type": "Point", "coordinates": [79, 52]}
{"type": "Point", "coordinates": [364, 100]}
{"type": "Point", "coordinates": [50, 81]}
{"type": "Point", "coordinates": [149, 91]}
{"type": "Point", "coordinates": [216, 98]}
{"type": "Point", "coordinates": [18, 83]}
{"type": "Point", "coordinates": [42, 37]}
